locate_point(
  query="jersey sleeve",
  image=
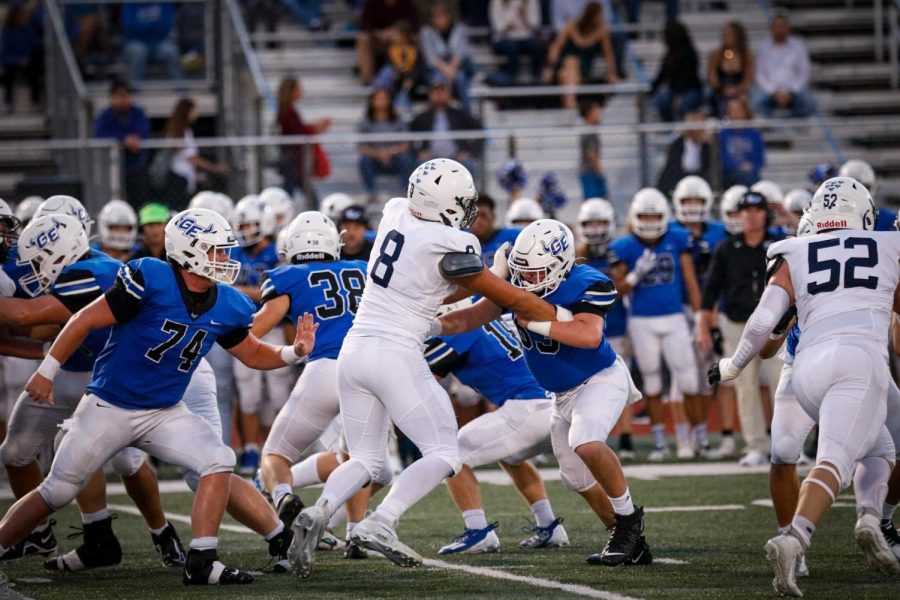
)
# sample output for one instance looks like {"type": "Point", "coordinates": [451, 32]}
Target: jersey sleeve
{"type": "Point", "coordinates": [76, 288]}
{"type": "Point", "coordinates": [461, 241]}
{"type": "Point", "coordinates": [682, 240]}
{"type": "Point", "coordinates": [597, 299]}
{"type": "Point", "coordinates": [125, 297]}
{"type": "Point", "coordinates": [619, 252]}
{"type": "Point", "coordinates": [240, 309]}
{"type": "Point", "coordinates": [441, 357]}
{"type": "Point", "coordinates": [269, 286]}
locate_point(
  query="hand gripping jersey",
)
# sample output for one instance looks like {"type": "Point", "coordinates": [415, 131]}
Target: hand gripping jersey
{"type": "Point", "coordinates": [330, 291]}
{"type": "Point", "coordinates": [488, 359]}
{"type": "Point", "coordinates": [162, 333]}
{"type": "Point", "coordinates": [253, 267]}
{"type": "Point", "coordinates": [501, 236]}
{"type": "Point", "coordinates": [662, 291]}
{"type": "Point", "coordinates": [702, 248]}
{"type": "Point", "coordinates": [558, 367]}
{"type": "Point", "coordinates": [790, 344]}
{"type": "Point", "coordinates": [404, 287]}
{"type": "Point", "coordinates": [843, 282]}
{"type": "Point", "coordinates": [616, 322]}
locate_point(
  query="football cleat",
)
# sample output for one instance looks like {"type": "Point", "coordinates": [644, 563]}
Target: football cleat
{"type": "Point", "coordinates": [726, 449]}
{"type": "Point", "coordinates": [658, 454]}
{"type": "Point", "coordinates": [288, 509]}
{"type": "Point", "coordinates": [784, 551]}
{"type": "Point", "coordinates": [802, 569]}
{"type": "Point", "coordinates": [100, 549]}
{"type": "Point", "coordinates": [474, 541]}
{"type": "Point", "coordinates": [249, 462]}
{"type": "Point", "coordinates": [754, 458]}
{"type": "Point", "coordinates": [308, 529]}
{"type": "Point", "coordinates": [329, 542]}
{"type": "Point", "coordinates": [382, 538]}
{"type": "Point", "coordinates": [169, 547]}
{"type": "Point", "coordinates": [871, 540]}
{"type": "Point", "coordinates": [685, 451]}
{"type": "Point", "coordinates": [626, 454]}
{"type": "Point", "coordinates": [704, 450]}
{"type": "Point", "coordinates": [7, 593]}
{"type": "Point", "coordinates": [202, 567]}
{"type": "Point", "coordinates": [353, 551]}
{"type": "Point", "coordinates": [626, 544]}
{"type": "Point", "coordinates": [552, 536]}
{"type": "Point", "coordinates": [37, 542]}
{"type": "Point", "coordinates": [891, 536]}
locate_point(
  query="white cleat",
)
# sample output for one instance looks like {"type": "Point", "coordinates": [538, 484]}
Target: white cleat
{"type": "Point", "coordinates": [754, 458]}
{"type": "Point", "coordinates": [685, 451]}
{"type": "Point", "coordinates": [381, 538]}
{"type": "Point", "coordinates": [658, 454]}
{"type": "Point", "coordinates": [784, 551]}
{"type": "Point", "coordinates": [802, 569]}
{"type": "Point", "coordinates": [726, 449]}
{"type": "Point", "coordinates": [870, 539]}
{"type": "Point", "coordinates": [308, 528]}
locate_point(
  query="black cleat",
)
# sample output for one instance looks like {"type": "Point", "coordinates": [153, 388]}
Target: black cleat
{"type": "Point", "coordinates": [37, 542]}
{"type": "Point", "coordinates": [290, 506]}
{"type": "Point", "coordinates": [202, 567]}
{"type": "Point", "coordinates": [169, 546]}
{"type": "Point", "coordinates": [354, 551]}
{"type": "Point", "coordinates": [891, 536]}
{"type": "Point", "coordinates": [626, 544]}
{"type": "Point", "coordinates": [99, 549]}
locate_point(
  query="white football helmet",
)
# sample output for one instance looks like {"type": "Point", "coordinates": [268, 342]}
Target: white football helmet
{"type": "Point", "coordinates": [596, 220]}
{"type": "Point", "coordinates": [66, 205]}
{"type": "Point", "coordinates": [10, 229]}
{"type": "Point", "coordinates": [805, 226]}
{"type": "Point", "coordinates": [442, 190]}
{"type": "Point", "coordinates": [523, 212]}
{"type": "Point", "coordinates": [49, 244]}
{"type": "Point", "coordinates": [692, 186]}
{"type": "Point", "coordinates": [333, 205]}
{"type": "Point", "coordinates": [797, 201]}
{"type": "Point", "coordinates": [312, 237]}
{"type": "Point", "coordinates": [280, 203]}
{"type": "Point", "coordinates": [542, 256]}
{"type": "Point", "coordinates": [728, 208]}
{"type": "Point", "coordinates": [26, 208]}
{"type": "Point", "coordinates": [842, 203]}
{"type": "Point", "coordinates": [214, 201]}
{"type": "Point", "coordinates": [280, 245]}
{"type": "Point", "coordinates": [861, 171]}
{"type": "Point", "coordinates": [252, 220]}
{"type": "Point", "coordinates": [769, 189]}
{"type": "Point", "coordinates": [117, 213]}
{"type": "Point", "coordinates": [200, 241]}
{"type": "Point", "coordinates": [649, 201]}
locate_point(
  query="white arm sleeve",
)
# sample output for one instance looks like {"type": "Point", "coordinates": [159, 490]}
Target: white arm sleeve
{"type": "Point", "coordinates": [773, 304]}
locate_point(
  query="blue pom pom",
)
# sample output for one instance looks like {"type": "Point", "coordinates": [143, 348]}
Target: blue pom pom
{"type": "Point", "coordinates": [512, 175]}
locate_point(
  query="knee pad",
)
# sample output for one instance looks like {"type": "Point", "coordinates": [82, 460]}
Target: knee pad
{"type": "Point", "coordinates": [576, 478]}
{"type": "Point", "coordinates": [192, 479]}
{"type": "Point", "coordinates": [385, 475]}
{"type": "Point", "coordinates": [786, 450]}
{"type": "Point", "coordinates": [16, 452]}
{"type": "Point", "coordinates": [652, 383]}
{"type": "Point", "coordinates": [686, 380]}
{"type": "Point", "coordinates": [448, 454]}
{"type": "Point", "coordinates": [58, 493]}
{"type": "Point", "coordinates": [220, 460]}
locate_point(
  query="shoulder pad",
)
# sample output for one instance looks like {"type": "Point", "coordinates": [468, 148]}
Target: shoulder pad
{"type": "Point", "coordinates": [772, 265]}
{"type": "Point", "coordinates": [778, 248]}
{"type": "Point", "coordinates": [461, 264]}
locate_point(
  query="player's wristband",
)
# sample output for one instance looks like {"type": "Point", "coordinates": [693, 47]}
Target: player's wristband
{"type": "Point", "coordinates": [289, 356]}
{"type": "Point", "coordinates": [539, 327]}
{"type": "Point", "coordinates": [632, 279]}
{"type": "Point", "coordinates": [48, 368]}
{"type": "Point", "coordinates": [435, 328]}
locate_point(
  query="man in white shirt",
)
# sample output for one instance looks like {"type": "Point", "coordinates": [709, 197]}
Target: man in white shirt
{"type": "Point", "coordinates": [782, 74]}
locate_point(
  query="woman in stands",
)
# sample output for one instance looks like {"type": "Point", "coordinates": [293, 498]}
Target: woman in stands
{"type": "Point", "coordinates": [677, 89]}
{"type": "Point", "coordinates": [445, 47]}
{"type": "Point", "coordinates": [384, 158]}
{"type": "Point", "coordinates": [290, 122]}
{"type": "Point", "coordinates": [730, 68]}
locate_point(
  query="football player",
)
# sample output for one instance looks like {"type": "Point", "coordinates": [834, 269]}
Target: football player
{"type": "Point", "coordinates": [489, 236]}
{"type": "Point", "coordinates": [26, 208]}
{"type": "Point", "coordinates": [728, 208]}
{"type": "Point", "coordinates": [840, 373]}
{"type": "Point", "coordinates": [117, 223]}
{"type": "Point", "coordinates": [523, 212]}
{"type": "Point", "coordinates": [422, 260]}
{"type": "Point", "coordinates": [863, 172]}
{"type": "Point", "coordinates": [143, 372]}
{"type": "Point", "coordinates": [796, 202]}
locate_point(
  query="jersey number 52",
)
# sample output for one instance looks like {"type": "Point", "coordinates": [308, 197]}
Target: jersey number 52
{"type": "Point", "coordinates": [833, 267]}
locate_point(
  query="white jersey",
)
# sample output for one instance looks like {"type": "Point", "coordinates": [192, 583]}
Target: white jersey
{"type": "Point", "coordinates": [404, 287]}
{"type": "Point", "coordinates": [7, 287]}
{"type": "Point", "coordinates": [843, 282]}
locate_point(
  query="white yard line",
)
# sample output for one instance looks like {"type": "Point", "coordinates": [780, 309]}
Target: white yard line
{"type": "Point", "coordinates": [646, 472]}
{"type": "Point", "coordinates": [130, 510]}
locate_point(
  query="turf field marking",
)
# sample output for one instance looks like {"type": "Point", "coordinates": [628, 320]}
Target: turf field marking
{"type": "Point", "coordinates": [767, 503]}
{"type": "Point", "coordinates": [130, 510]}
{"type": "Point", "coordinates": [648, 472]}
{"type": "Point", "coordinates": [653, 509]}
{"type": "Point", "coordinates": [669, 561]}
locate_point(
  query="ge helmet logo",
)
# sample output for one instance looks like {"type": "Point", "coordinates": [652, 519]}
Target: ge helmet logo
{"type": "Point", "coordinates": [46, 237]}
{"type": "Point", "coordinates": [556, 246]}
{"type": "Point", "coordinates": [833, 184]}
{"type": "Point", "coordinates": [191, 228]}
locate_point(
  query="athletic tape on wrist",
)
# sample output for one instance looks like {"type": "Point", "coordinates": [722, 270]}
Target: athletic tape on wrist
{"type": "Point", "coordinates": [48, 368]}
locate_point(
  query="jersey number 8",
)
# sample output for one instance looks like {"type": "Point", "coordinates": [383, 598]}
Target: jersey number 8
{"type": "Point", "coordinates": [383, 268]}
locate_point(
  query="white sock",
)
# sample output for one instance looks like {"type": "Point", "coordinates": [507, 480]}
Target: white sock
{"type": "Point", "coordinates": [543, 513]}
{"type": "Point", "coordinates": [683, 434]}
{"type": "Point", "coordinates": [280, 491]}
{"type": "Point", "coordinates": [93, 517]}
{"type": "Point", "coordinates": [338, 517]}
{"type": "Point", "coordinates": [251, 448]}
{"type": "Point", "coordinates": [278, 529]}
{"type": "Point", "coordinates": [887, 512]}
{"type": "Point", "coordinates": [700, 435]}
{"type": "Point", "coordinates": [412, 485]}
{"type": "Point", "coordinates": [623, 504]}
{"type": "Point", "coordinates": [784, 530]}
{"type": "Point", "coordinates": [659, 435]}
{"type": "Point", "coordinates": [870, 483]}
{"type": "Point", "coordinates": [803, 529]}
{"type": "Point", "coordinates": [350, 526]}
{"type": "Point", "coordinates": [474, 519]}
{"type": "Point", "coordinates": [204, 543]}
{"type": "Point", "coordinates": [342, 484]}
{"type": "Point", "coordinates": [158, 531]}
{"type": "Point", "coordinates": [306, 472]}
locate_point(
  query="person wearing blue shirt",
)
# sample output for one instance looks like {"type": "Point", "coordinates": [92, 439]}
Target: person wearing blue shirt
{"type": "Point", "coordinates": [653, 266]}
{"type": "Point", "coordinates": [572, 358]}
{"type": "Point", "coordinates": [743, 151]}
{"type": "Point", "coordinates": [490, 361]}
{"type": "Point", "coordinates": [147, 36]}
{"type": "Point", "coordinates": [127, 123]}
{"type": "Point", "coordinates": [490, 236]}
{"type": "Point", "coordinates": [164, 318]}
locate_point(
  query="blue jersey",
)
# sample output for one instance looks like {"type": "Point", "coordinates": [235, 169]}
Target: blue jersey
{"type": "Point", "coordinates": [661, 292]}
{"type": "Point", "coordinates": [558, 367]}
{"type": "Point", "coordinates": [253, 267]}
{"type": "Point", "coordinates": [502, 235]}
{"type": "Point", "coordinates": [330, 291]}
{"type": "Point", "coordinates": [884, 220]}
{"type": "Point", "coordinates": [162, 332]}
{"type": "Point", "coordinates": [793, 338]}
{"type": "Point", "coordinates": [616, 321]}
{"type": "Point", "coordinates": [488, 359]}
{"type": "Point", "coordinates": [702, 248]}
{"type": "Point", "coordinates": [16, 272]}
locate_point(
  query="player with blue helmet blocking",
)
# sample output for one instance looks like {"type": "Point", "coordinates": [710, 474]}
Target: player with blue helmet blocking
{"type": "Point", "coordinates": [574, 360]}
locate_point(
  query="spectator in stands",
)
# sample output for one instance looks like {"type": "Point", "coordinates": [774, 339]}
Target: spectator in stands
{"type": "Point", "coordinates": [445, 47]}
{"type": "Point", "coordinates": [265, 10]}
{"type": "Point", "coordinates": [127, 123]}
{"type": "Point", "coordinates": [87, 25]}
{"type": "Point", "coordinates": [152, 220]}
{"type": "Point", "coordinates": [677, 88]}
{"type": "Point", "coordinates": [515, 32]}
{"type": "Point", "coordinates": [307, 12]}
{"type": "Point", "coordinates": [354, 225]}
{"type": "Point", "coordinates": [593, 182]}
{"type": "Point", "coordinates": [441, 117]}
{"type": "Point", "coordinates": [730, 68]}
{"type": "Point", "coordinates": [782, 74]}
{"type": "Point", "coordinates": [186, 167]}
{"type": "Point", "coordinates": [743, 150]}
{"type": "Point", "coordinates": [20, 55]}
{"type": "Point", "coordinates": [383, 158]}
{"type": "Point", "coordinates": [689, 154]}
{"type": "Point", "coordinates": [290, 122]}
{"type": "Point", "coordinates": [564, 11]}
{"type": "Point", "coordinates": [147, 37]}
{"type": "Point", "coordinates": [571, 56]}
{"type": "Point", "coordinates": [402, 69]}
{"type": "Point", "coordinates": [375, 21]}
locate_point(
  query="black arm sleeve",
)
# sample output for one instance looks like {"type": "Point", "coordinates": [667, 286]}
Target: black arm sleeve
{"type": "Point", "coordinates": [123, 304]}
{"type": "Point", "coordinates": [785, 320]}
{"type": "Point", "coordinates": [80, 295]}
{"type": "Point", "coordinates": [233, 337]}
{"type": "Point", "coordinates": [598, 299]}
{"type": "Point", "coordinates": [268, 290]}
{"type": "Point", "coordinates": [715, 281]}
{"type": "Point", "coordinates": [442, 359]}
